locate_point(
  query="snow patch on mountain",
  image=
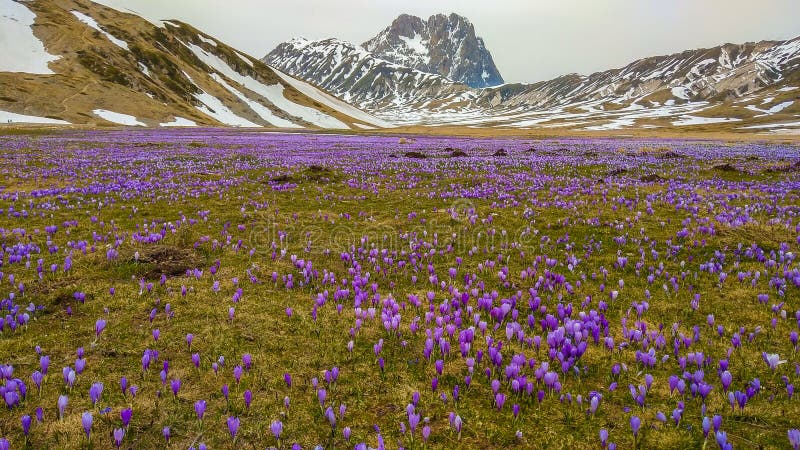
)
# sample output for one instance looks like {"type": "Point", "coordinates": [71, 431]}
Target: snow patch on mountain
{"type": "Point", "coordinates": [179, 122]}
{"type": "Point", "coordinates": [88, 20]}
{"type": "Point", "coordinates": [272, 93]}
{"type": "Point", "coordinates": [262, 111]}
{"type": "Point", "coordinates": [21, 50]}
{"type": "Point", "coordinates": [695, 120]}
{"type": "Point", "coordinates": [331, 101]}
{"type": "Point", "coordinates": [9, 117]}
{"type": "Point", "coordinates": [120, 118]}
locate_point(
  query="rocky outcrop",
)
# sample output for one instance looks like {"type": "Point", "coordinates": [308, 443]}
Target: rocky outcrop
{"type": "Point", "coordinates": [444, 45]}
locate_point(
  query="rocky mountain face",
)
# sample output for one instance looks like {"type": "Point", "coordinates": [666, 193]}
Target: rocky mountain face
{"type": "Point", "coordinates": [444, 45]}
{"type": "Point", "coordinates": [361, 78]}
{"type": "Point", "coordinates": [79, 62]}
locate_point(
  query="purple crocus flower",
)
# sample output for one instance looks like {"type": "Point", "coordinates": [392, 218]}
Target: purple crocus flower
{"type": "Point", "coordinates": [321, 396]}
{"type": "Point", "coordinates": [125, 415]}
{"type": "Point", "coordinates": [200, 409]}
{"type": "Point", "coordinates": [722, 439]}
{"type": "Point", "coordinates": [44, 364]}
{"type": "Point", "coordinates": [636, 424]}
{"type": "Point", "coordinates": [413, 420]}
{"type": "Point", "coordinates": [772, 360]}
{"type": "Point", "coordinates": [37, 378]}
{"type": "Point", "coordinates": [499, 400]}
{"type": "Point", "coordinates": [86, 421]}
{"type": "Point", "coordinates": [330, 416]}
{"type": "Point", "coordinates": [233, 426]}
{"type": "Point", "coordinates": [248, 398]}
{"type": "Point", "coordinates": [62, 406]}
{"type": "Point", "coordinates": [26, 424]}
{"type": "Point", "coordinates": [119, 434]}
{"type": "Point", "coordinates": [167, 433]}
{"type": "Point", "coordinates": [276, 428]}
{"type": "Point", "coordinates": [175, 384]}
{"type": "Point", "coordinates": [99, 326]}
{"type": "Point", "coordinates": [95, 392]}
{"type": "Point", "coordinates": [794, 438]}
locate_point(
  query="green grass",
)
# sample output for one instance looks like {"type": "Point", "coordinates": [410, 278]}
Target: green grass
{"type": "Point", "coordinates": [306, 348]}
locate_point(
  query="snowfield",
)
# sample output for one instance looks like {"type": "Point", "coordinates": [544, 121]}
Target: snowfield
{"type": "Point", "coordinates": [272, 93]}
{"type": "Point", "coordinates": [21, 51]}
{"type": "Point", "coordinates": [9, 117]}
{"type": "Point", "coordinates": [179, 122]}
{"type": "Point", "coordinates": [88, 20]}
{"type": "Point", "coordinates": [122, 119]}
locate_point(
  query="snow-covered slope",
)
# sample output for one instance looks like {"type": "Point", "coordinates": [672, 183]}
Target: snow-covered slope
{"type": "Point", "coordinates": [21, 50]}
{"type": "Point", "coordinates": [725, 72]}
{"type": "Point", "coordinates": [748, 82]}
{"type": "Point", "coordinates": [360, 78]}
{"type": "Point", "coordinates": [117, 68]}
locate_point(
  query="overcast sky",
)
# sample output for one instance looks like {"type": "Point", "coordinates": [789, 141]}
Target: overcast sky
{"type": "Point", "coordinates": [530, 40]}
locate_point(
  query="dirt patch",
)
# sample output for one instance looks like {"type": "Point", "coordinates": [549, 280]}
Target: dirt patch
{"type": "Point", "coordinates": [57, 294]}
{"type": "Point", "coordinates": [784, 168]}
{"type": "Point", "coordinates": [315, 173]}
{"type": "Point", "coordinates": [49, 286]}
{"type": "Point", "coordinates": [652, 178]}
{"type": "Point", "coordinates": [416, 155]}
{"type": "Point", "coordinates": [615, 172]}
{"type": "Point", "coordinates": [500, 152]}
{"type": "Point", "coordinates": [727, 167]}
{"type": "Point", "coordinates": [669, 155]}
{"type": "Point", "coordinates": [456, 153]}
{"type": "Point", "coordinates": [383, 410]}
{"type": "Point", "coordinates": [318, 174]}
{"type": "Point", "coordinates": [285, 178]}
{"type": "Point", "coordinates": [155, 260]}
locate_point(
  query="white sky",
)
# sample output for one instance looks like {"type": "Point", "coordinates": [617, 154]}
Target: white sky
{"type": "Point", "coordinates": [530, 40]}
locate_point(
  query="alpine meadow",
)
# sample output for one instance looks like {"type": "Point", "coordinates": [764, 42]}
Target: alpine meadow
{"type": "Point", "coordinates": [386, 244]}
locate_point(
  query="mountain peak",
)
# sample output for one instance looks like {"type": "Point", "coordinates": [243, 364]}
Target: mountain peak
{"type": "Point", "coordinates": [444, 44]}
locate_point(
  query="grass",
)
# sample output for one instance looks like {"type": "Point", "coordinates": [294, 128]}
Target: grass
{"type": "Point", "coordinates": [386, 204]}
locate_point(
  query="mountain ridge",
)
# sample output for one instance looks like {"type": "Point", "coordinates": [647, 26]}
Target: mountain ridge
{"type": "Point", "coordinates": [673, 85]}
